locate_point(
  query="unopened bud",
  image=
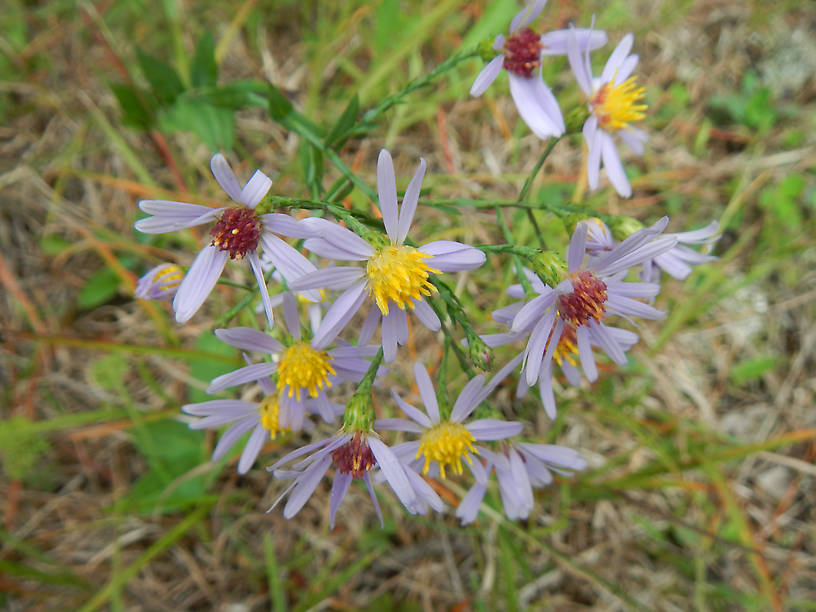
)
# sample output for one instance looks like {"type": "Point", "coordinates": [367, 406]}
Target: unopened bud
{"type": "Point", "coordinates": [623, 227]}
{"type": "Point", "coordinates": [480, 354]}
{"type": "Point", "coordinates": [572, 220]}
{"type": "Point", "coordinates": [550, 268]}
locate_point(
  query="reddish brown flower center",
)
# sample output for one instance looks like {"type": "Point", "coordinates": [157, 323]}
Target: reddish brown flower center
{"type": "Point", "coordinates": [587, 300]}
{"type": "Point", "coordinates": [237, 231]}
{"type": "Point", "coordinates": [354, 456]}
{"type": "Point", "coordinates": [522, 52]}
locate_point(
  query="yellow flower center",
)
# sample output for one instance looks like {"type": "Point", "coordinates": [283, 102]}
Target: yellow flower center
{"type": "Point", "coordinates": [168, 278]}
{"type": "Point", "coordinates": [446, 443]}
{"type": "Point", "coordinates": [399, 274]}
{"type": "Point", "coordinates": [303, 367]}
{"type": "Point", "coordinates": [270, 410]}
{"type": "Point", "coordinates": [616, 106]}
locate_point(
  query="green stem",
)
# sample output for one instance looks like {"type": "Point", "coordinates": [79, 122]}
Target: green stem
{"type": "Point", "coordinates": [525, 190]}
{"type": "Point", "coordinates": [419, 83]}
{"type": "Point", "coordinates": [508, 236]}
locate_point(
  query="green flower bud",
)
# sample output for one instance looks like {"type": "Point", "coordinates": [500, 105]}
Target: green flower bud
{"type": "Point", "coordinates": [572, 220]}
{"type": "Point", "coordinates": [480, 354]}
{"type": "Point", "coordinates": [623, 227]}
{"type": "Point", "coordinates": [549, 267]}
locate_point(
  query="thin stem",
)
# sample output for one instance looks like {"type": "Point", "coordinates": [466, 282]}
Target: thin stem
{"type": "Point", "coordinates": [418, 83]}
{"type": "Point", "coordinates": [528, 184]}
{"type": "Point", "coordinates": [508, 236]}
{"type": "Point", "coordinates": [525, 190]}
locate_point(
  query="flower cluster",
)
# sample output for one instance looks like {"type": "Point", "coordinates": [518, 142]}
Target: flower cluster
{"type": "Point", "coordinates": [300, 370]}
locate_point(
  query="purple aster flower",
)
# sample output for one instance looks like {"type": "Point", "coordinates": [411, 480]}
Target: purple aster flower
{"type": "Point", "coordinates": [565, 354]}
{"type": "Point", "coordinates": [520, 54]}
{"type": "Point", "coordinates": [303, 368]}
{"type": "Point", "coordinates": [354, 455]}
{"type": "Point", "coordinates": [520, 467]}
{"type": "Point", "coordinates": [580, 304]}
{"type": "Point", "coordinates": [265, 420]}
{"type": "Point", "coordinates": [615, 102]}
{"type": "Point", "coordinates": [446, 443]}
{"type": "Point", "coordinates": [396, 276]}
{"type": "Point", "coordinates": [160, 283]}
{"type": "Point", "coordinates": [678, 262]}
{"type": "Point", "coordinates": [236, 233]}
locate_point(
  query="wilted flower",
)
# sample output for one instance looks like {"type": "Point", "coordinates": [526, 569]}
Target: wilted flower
{"type": "Point", "coordinates": [520, 467]}
{"type": "Point", "coordinates": [520, 54]}
{"type": "Point", "coordinates": [236, 233]}
{"type": "Point", "coordinates": [615, 103]}
{"type": "Point", "coordinates": [160, 283]}
{"type": "Point", "coordinates": [396, 276]}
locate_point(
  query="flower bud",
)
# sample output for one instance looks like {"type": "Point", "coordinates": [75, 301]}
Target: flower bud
{"type": "Point", "coordinates": [550, 268]}
{"type": "Point", "coordinates": [480, 354]}
{"type": "Point", "coordinates": [623, 227]}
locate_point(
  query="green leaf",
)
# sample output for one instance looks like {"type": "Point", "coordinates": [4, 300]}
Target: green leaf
{"type": "Point", "coordinates": [204, 70]}
{"type": "Point", "coordinates": [343, 126]}
{"type": "Point", "coordinates": [99, 289]}
{"type": "Point", "coordinates": [752, 369]}
{"type": "Point", "coordinates": [171, 450]}
{"type": "Point", "coordinates": [238, 95]}
{"type": "Point", "coordinates": [213, 125]}
{"type": "Point", "coordinates": [136, 111]}
{"type": "Point", "coordinates": [279, 104]}
{"type": "Point", "coordinates": [163, 78]}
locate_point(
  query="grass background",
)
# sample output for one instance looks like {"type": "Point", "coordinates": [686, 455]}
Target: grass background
{"type": "Point", "coordinates": [699, 493]}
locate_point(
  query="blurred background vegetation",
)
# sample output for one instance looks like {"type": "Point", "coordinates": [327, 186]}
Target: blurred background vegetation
{"type": "Point", "coordinates": [700, 488]}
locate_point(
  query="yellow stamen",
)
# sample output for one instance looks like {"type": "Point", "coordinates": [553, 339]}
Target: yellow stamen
{"type": "Point", "coordinates": [616, 106]}
{"type": "Point", "coordinates": [446, 443]}
{"type": "Point", "coordinates": [303, 367]}
{"type": "Point", "coordinates": [270, 411]}
{"type": "Point", "coordinates": [399, 274]}
{"type": "Point", "coordinates": [567, 348]}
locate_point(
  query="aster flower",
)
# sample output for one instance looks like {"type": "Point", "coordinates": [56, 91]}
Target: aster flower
{"type": "Point", "coordinates": [615, 103]}
{"type": "Point", "coordinates": [354, 455]}
{"type": "Point", "coordinates": [396, 276]}
{"type": "Point", "coordinates": [445, 444]}
{"type": "Point", "coordinates": [265, 419]}
{"type": "Point", "coordinates": [520, 54]}
{"type": "Point", "coordinates": [304, 368]}
{"type": "Point", "coordinates": [160, 283]}
{"type": "Point", "coordinates": [581, 303]}
{"type": "Point", "coordinates": [678, 261]}
{"type": "Point", "coordinates": [520, 467]}
{"type": "Point", "coordinates": [565, 354]}
{"type": "Point", "coordinates": [236, 233]}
